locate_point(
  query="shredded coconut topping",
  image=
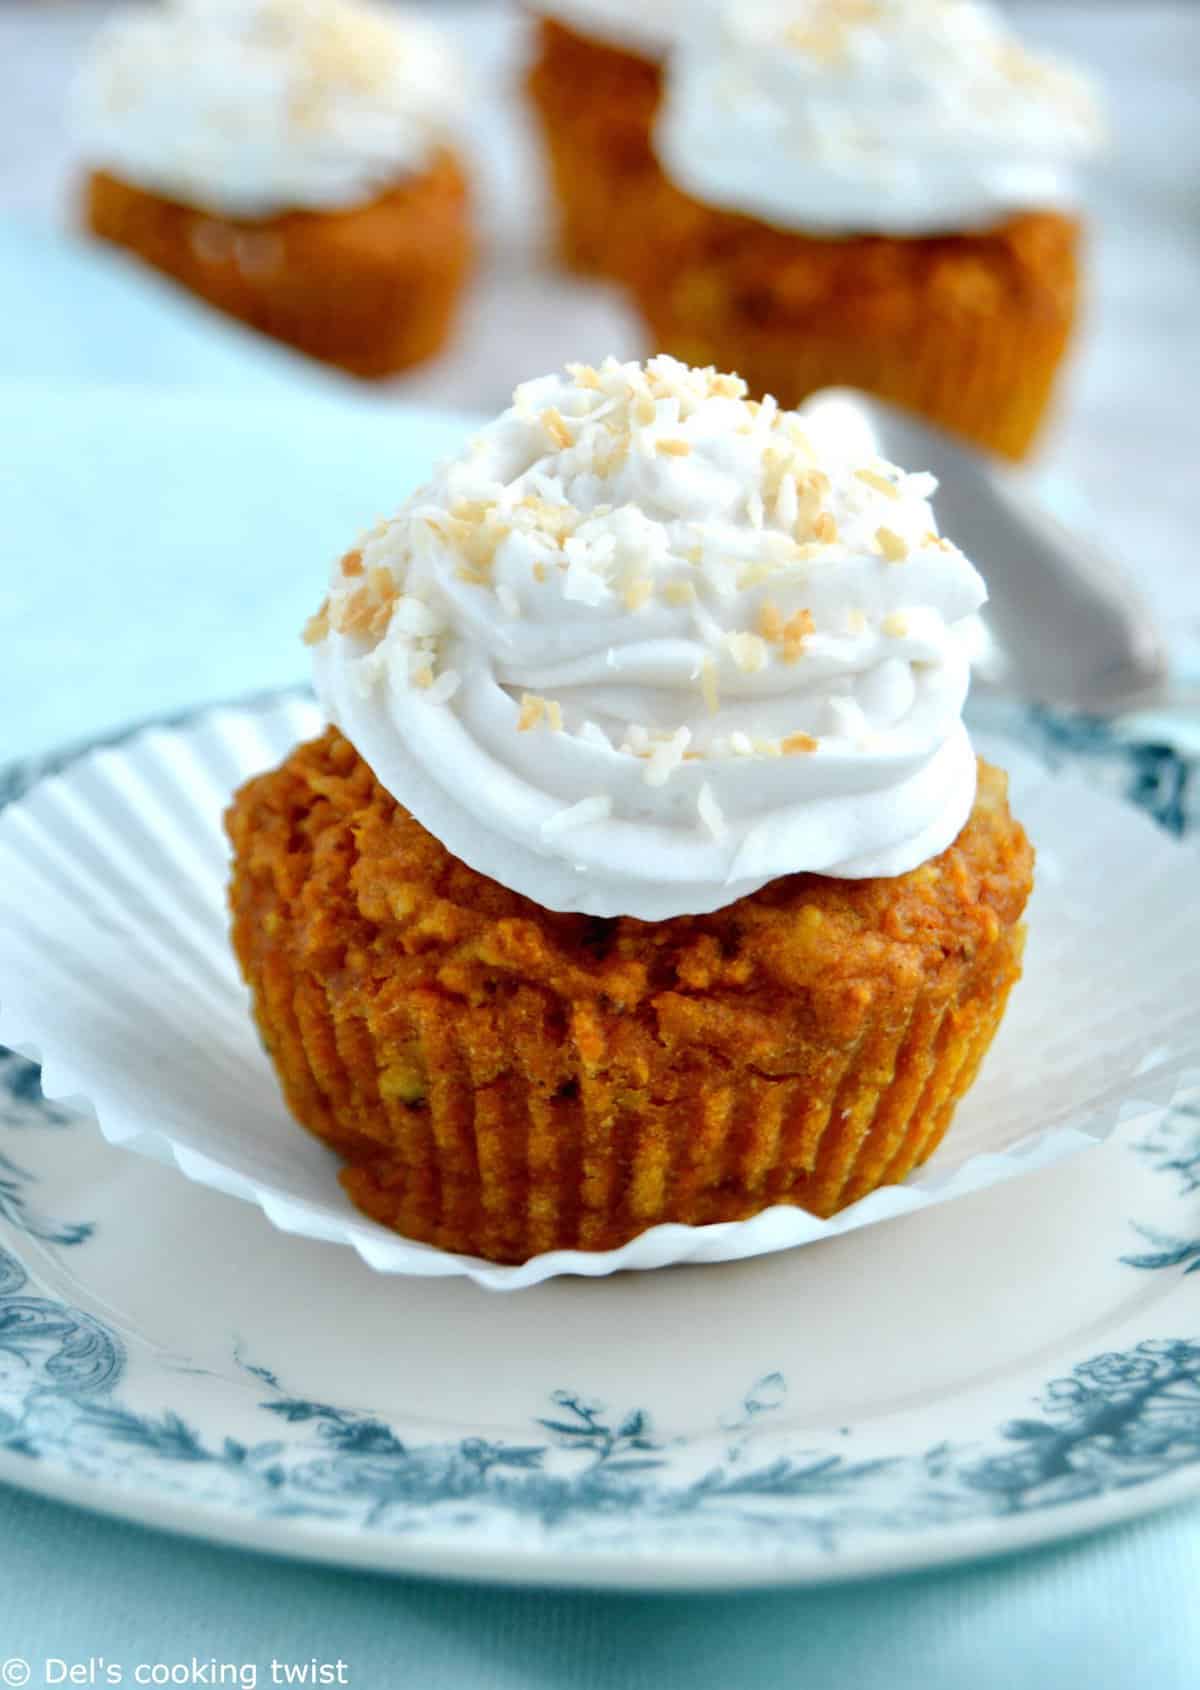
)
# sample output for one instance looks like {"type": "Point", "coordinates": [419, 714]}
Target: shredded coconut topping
{"type": "Point", "coordinates": [655, 624]}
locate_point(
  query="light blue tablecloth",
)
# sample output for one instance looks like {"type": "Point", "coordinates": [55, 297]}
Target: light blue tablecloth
{"type": "Point", "coordinates": [131, 521]}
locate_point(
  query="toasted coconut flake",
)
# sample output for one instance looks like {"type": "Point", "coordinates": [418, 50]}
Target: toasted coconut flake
{"type": "Point", "coordinates": [895, 625]}
{"type": "Point", "coordinates": [710, 685]}
{"type": "Point", "coordinates": [770, 622]}
{"type": "Point", "coordinates": [584, 375]}
{"type": "Point", "coordinates": [533, 708]}
{"type": "Point", "coordinates": [796, 631]}
{"type": "Point", "coordinates": [423, 677]}
{"type": "Point", "coordinates": [880, 483]}
{"type": "Point", "coordinates": [679, 592]}
{"type": "Point", "coordinates": [797, 743]}
{"type": "Point", "coordinates": [317, 626]}
{"type": "Point", "coordinates": [673, 448]}
{"type": "Point", "coordinates": [893, 546]}
{"type": "Point", "coordinates": [354, 614]}
{"type": "Point", "coordinates": [748, 651]}
{"type": "Point", "coordinates": [554, 715]}
{"type": "Point", "coordinates": [352, 563]}
{"type": "Point", "coordinates": [583, 814]}
{"type": "Point", "coordinates": [555, 425]}
{"type": "Point", "coordinates": [609, 458]}
{"type": "Point", "coordinates": [825, 527]}
{"type": "Point", "coordinates": [445, 686]}
{"type": "Point", "coordinates": [383, 584]}
{"type": "Point", "coordinates": [666, 757]}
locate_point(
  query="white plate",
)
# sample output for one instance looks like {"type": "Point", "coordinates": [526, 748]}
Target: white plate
{"type": "Point", "coordinates": [116, 971]}
{"type": "Point", "coordinates": [1009, 1369]}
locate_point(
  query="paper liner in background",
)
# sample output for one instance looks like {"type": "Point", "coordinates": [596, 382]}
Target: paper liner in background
{"type": "Point", "coordinates": [116, 973]}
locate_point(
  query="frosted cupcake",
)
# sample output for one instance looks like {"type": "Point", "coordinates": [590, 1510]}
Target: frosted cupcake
{"type": "Point", "coordinates": [647, 872]}
{"type": "Point", "coordinates": [288, 161]}
{"type": "Point", "coordinates": [595, 83]}
{"type": "Point", "coordinates": [873, 193]}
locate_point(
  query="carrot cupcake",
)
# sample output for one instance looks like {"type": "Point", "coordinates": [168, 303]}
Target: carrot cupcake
{"type": "Point", "coordinates": [872, 193]}
{"type": "Point", "coordinates": [595, 84]}
{"type": "Point", "coordinates": [288, 161]}
{"type": "Point", "coordinates": [647, 872]}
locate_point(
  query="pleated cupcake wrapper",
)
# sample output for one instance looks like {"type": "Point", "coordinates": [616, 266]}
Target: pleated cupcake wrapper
{"type": "Point", "coordinates": [988, 376]}
{"type": "Point", "coordinates": [596, 133]}
{"type": "Point", "coordinates": [116, 972]}
{"type": "Point", "coordinates": [511, 1168]}
{"type": "Point", "coordinates": [587, 190]}
{"type": "Point", "coordinates": [376, 324]}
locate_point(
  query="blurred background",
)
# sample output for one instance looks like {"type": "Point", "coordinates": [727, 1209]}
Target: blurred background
{"type": "Point", "coordinates": [1118, 460]}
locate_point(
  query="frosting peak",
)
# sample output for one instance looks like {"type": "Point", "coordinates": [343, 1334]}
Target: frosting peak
{"type": "Point", "coordinates": [648, 644]}
{"type": "Point", "coordinates": [252, 107]}
{"type": "Point", "coordinates": [862, 116]}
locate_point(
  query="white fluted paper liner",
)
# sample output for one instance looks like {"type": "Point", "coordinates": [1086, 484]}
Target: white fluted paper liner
{"type": "Point", "coordinates": [116, 973]}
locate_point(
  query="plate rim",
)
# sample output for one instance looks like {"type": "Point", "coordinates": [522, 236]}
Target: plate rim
{"type": "Point", "coordinates": [526, 1566]}
{"type": "Point", "coordinates": [525, 1562]}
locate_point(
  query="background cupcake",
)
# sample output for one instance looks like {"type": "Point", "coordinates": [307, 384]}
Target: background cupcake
{"type": "Point", "coordinates": [595, 83]}
{"type": "Point", "coordinates": [288, 161]}
{"type": "Point", "coordinates": [647, 874]}
{"type": "Point", "coordinates": [875, 193]}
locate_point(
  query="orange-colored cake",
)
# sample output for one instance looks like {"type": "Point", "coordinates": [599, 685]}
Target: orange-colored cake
{"type": "Point", "coordinates": [871, 196]}
{"type": "Point", "coordinates": [503, 1080]}
{"type": "Point", "coordinates": [290, 163]}
{"type": "Point", "coordinates": [649, 874]}
{"type": "Point", "coordinates": [595, 103]}
{"type": "Point", "coordinates": [967, 330]}
{"type": "Point", "coordinates": [373, 289]}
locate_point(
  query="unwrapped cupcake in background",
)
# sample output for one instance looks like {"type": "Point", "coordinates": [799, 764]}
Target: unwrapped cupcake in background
{"type": "Point", "coordinates": [290, 162]}
{"type": "Point", "coordinates": [595, 83]}
{"type": "Point", "coordinates": [647, 872]}
{"type": "Point", "coordinates": [870, 193]}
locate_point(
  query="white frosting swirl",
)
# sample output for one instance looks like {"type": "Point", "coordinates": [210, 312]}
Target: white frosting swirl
{"type": "Point", "coordinates": [252, 107]}
{"type": "Point", "coordinates": [646, 645]}
{"type": "Point", "coordinates": [650, 28]}
{"type": "Point", "coordinates": [871, 116]}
